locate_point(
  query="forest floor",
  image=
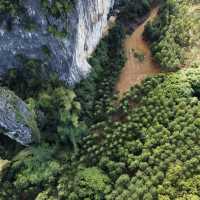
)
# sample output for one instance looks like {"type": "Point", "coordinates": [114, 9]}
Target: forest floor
{"type": "Point", "coordinates": [140, 63]}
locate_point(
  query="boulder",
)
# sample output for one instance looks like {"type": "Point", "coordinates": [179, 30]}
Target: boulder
{"type": "Point", "coordinates": [17, 121]}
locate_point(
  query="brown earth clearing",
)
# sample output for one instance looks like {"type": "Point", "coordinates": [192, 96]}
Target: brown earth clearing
{"type": "Point", "coordinates": [140, 63]}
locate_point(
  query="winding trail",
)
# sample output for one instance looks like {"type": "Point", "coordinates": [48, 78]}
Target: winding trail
{"type": "Point", "coordinates": [134, 70]}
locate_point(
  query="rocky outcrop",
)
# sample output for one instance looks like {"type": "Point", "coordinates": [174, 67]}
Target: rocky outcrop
{"type": "Point", "coordinates": [4, 165]}
{"type": "Point", "coordinates": [16, 120]}
{"type": "Point", "coordinates": [68, 55]}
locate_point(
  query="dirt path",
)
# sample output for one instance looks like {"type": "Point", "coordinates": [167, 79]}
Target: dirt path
{"type": "Point", "coordinates": [135, 70]}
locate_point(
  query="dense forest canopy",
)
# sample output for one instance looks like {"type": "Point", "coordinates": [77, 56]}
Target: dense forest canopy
{"type": "Point", "coordinates": [95, 146]}
{"type": "Point", "coordinates": [173, 33]}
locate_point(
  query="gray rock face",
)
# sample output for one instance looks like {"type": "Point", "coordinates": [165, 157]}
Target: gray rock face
{"type": "Point", "coordinates": [85, 24]}
{"type": "Point", "coordinates": [16, 120]}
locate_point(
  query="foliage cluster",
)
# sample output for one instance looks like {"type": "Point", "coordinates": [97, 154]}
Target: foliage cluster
{"type": "Point", "coordinates": [88, 183]}
{"type": "Point", "coordinates": [10, 10]}
{"type": "Point", "coordinates": [170, 34]}
{"type": "Point", "coordinates": [130, 10]}
{"type": "Point", "coordinates": [150, 151]}
{"type": "Point", "coordinates": [53, 103]}
{"type": "Point", "coordinates": [57, 9]}
{"type": "Point", "coordinates": [32, 169]}
{"type": "Point", "coordinates": [107, 63]}
{"type": "Point", "coordinates": [13, 12]}
{"type": "Point", "coordinates": [139, 55]}
{"type": "Point", "coordinates": [58, 117]}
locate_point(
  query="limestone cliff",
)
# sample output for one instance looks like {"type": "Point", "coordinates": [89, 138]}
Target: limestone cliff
{"type": "Point", "coordinates": [67, 55]}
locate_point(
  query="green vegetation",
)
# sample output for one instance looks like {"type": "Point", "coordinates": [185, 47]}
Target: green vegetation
{"type": "Point", "coordinates": [53, 29]}
{"type": "Point", "coordinates": [10, 10]}
{"type": "Point", "coordinates": [89, 182]}
{"type": "Point", "coordinates": [150, 151]}
{"type": "Point", "coordinates": [35, 166]}
{"type": "Point", "coordinates": [193, 54]}
{"type": "Point", "coordinates": [58, 9]}
{"type": "Point", "coordinates": [54, 105]}
{"type": "Point", "coordinates": [131, 10]}
{"type": "Point", "coordinates": [46, 51]}
{"type": "Point", "coordinates": [142, 147]}
{"type": "Point", "coordinates": [139, 55]}
{"type": "Point", "coordinates": [170, 34]}
{"type": "Point", "coordinates": [107, 63]}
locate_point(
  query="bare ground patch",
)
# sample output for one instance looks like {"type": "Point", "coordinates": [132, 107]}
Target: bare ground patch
{"type": "Point", "coordinates": [136, 70]}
